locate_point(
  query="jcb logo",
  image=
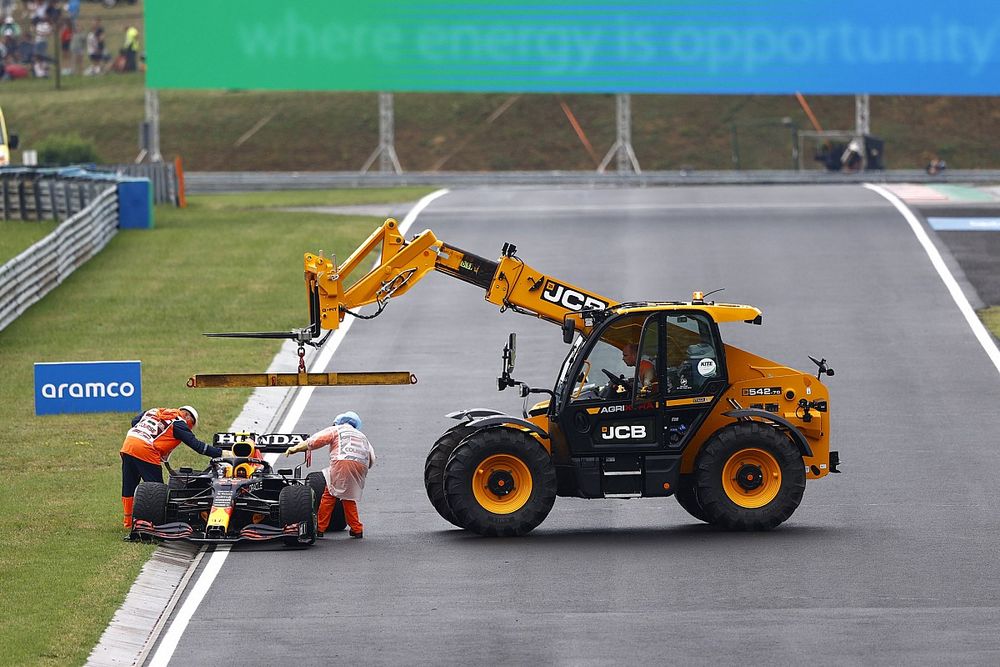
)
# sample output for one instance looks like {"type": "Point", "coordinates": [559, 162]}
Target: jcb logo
{"type": "Point", "coordinates": [570, 298]}
{"type": "Point", "coordinates": [624, 432]}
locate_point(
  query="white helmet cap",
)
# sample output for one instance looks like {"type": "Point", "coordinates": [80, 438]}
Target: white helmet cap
{"type": "Point", "coordinates": [194, 413]}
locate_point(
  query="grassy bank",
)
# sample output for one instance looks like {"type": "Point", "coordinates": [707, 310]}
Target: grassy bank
{"type": "Point", "coordinates": [63, 566]}
{"type": "Point", "coordinates": [253, 130]}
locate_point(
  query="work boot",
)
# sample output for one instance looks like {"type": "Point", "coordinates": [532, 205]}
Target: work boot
{"type": "Point", "coordinates": [358, 535]}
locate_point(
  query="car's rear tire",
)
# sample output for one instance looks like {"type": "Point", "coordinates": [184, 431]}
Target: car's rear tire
{"type": "Point", "coordinates": [338, 520]}
{"type": "Point", "coordinates": [317, 482]}
{"type": "Point", "coordinates": [688, 499]}
{"type": "Point", "coordinates": [151, 503]}
{"type": "Point", "coordinates": [500, 482]}
{"type": "Point", "coordinates": [749, 476]}
{"type": "Point", "coordinates": [295, 505]}
{"type": "Point", "coordinates": [437, 458]}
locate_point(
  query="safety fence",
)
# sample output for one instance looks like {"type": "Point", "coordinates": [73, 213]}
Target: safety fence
{"type": "Point", "coordinates": [38, 270]}
{"type": "Point", "coordinates": [163, 176]}
{"type": "Point", "coordinates": [90, 205]}
{"type": "Point", "coordinates": [49, 194]}
{"type": "Point", "coordinates": [206, 182]}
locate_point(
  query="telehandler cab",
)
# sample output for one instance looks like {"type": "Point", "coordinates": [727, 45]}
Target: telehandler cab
{"type": "Point", "coordinates": [648, 402]}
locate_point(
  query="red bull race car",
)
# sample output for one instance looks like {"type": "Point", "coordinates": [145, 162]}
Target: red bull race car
{"type": "Point", "coordinates": [238, 497]}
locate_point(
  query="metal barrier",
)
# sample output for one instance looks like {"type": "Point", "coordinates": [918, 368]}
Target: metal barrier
{"type": "Point", "coordinates": [49, 194]}
{"type": "Point", "coordinates": [162, 176]}
{"type": "Point", "coordinates": [206, 182]}
{"type": "Point", "coordinates": [23, 281]}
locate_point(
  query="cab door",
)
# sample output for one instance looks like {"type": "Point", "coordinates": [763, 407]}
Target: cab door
{"type": "Point", "coordinates": [615, 405]}
{"type": "Point", "coordinates": [695, 374]}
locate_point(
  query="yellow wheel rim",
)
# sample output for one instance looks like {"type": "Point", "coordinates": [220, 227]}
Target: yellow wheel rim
{"type": "Point", "coordinates": [501, 484]}
{"type": "Point", "coordinates": [751, 478]}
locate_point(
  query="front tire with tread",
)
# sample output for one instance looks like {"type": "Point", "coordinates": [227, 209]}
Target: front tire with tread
{"type": "Point", "coordinates": [295, 505]}
{"type": "Point", "coordinates": [688, 499]}
{"type": "Point", "coordinates": [532, 470]}
{"type": "Point", "coordinates": [434, 467]}
{"type": "Point", "coordinates": [724, 502]}
{"type": "Point", "coordinates": [150, 503]}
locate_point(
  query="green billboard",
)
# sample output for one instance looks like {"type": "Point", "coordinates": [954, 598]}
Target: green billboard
{"type": "Point", "coordinates": [634, 46]}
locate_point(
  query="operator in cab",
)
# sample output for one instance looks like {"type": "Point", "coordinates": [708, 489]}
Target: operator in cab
{"type": "Point", "coordinates": [154, 435]}
{"type": "Point", "coordinates": [351, 456]}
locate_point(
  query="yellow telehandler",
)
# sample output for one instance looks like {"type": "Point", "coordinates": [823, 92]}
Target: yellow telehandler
{"type": "Point", "coordinates": [648, 402]}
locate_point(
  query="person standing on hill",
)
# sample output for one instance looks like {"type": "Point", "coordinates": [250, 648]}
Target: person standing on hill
{"type": "Point", "coordinates": [131, 49]}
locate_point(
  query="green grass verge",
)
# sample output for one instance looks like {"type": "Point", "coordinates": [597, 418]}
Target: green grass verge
{"type": "Point", "coordinates": [148, 295]}
{"type": "Point", "coordinates": [292, 198]}
{"type": "Point", "coordinates": [17, 236]}
{"type": "Point", "coordinates": [991, 318]}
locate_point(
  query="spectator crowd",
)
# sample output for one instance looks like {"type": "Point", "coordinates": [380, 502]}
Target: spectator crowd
{"type": "Point", "coordinates": [31, 32]}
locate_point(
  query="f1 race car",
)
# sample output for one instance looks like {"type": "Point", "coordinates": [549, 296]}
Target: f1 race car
{"type": "Point", "coordinates": [238, 497]}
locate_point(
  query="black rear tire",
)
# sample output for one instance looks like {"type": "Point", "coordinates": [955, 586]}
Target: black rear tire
{"type": "Point", "coordinates": [317, 482]}
{"type": "Point", "coordinates": [688, 499]}
{"type": "Point", "coordinates": [774, 473]}
{"type": "Point", "coordinates": [295, 505]}
{"type": "Point", "coordinates": [437, 458]}
{"type": "Point", "coordinates": [338, 520]}
{"type": "Point", "coordinates": [151, 502]}
{"type": "Point", "coordinates": [500, 482]}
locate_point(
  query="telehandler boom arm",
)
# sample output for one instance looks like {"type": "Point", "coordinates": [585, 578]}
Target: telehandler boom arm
{"type": "Point", "coordinates": [508, 282]}
{"type": "Point", "coordinates": [334, 292]}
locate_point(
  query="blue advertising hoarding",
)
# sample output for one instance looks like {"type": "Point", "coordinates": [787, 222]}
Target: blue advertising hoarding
{"type": "Point", "coordinates": [88, 386]}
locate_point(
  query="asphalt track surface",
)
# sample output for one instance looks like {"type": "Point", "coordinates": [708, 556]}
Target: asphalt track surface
{"type": "Point", "coordinates": [892, 562]}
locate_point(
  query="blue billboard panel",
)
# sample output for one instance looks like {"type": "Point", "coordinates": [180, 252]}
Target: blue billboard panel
{"type": "Point", "coordinates": [88, 386]}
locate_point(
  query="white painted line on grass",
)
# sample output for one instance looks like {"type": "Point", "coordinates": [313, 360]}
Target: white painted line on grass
{"type": "Point", "coordinates": [978, 329]}
{"type": "Point", "coordinates": [169, 644]}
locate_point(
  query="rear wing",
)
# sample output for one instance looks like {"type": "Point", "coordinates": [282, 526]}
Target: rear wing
{"type": "Point", "coordinates": [267, 443]}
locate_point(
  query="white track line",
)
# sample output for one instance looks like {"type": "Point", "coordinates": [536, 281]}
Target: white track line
{"type": "Point", "coordinates": [978, 329]}
{"type": "Point", "coordinates": [168, 645]}
{"type": "Point", "coordinates": [173, 636]}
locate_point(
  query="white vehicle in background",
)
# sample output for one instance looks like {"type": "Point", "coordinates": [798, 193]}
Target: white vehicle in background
{"type": "Point", "coordinates": [7, 142]}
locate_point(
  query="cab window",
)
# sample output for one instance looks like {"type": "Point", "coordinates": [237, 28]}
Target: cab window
{"type": "Point", "coordinates": [692, 360]}
{"type": "Point", "coordinates": [617, 360]}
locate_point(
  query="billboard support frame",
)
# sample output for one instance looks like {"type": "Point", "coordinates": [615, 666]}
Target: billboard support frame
{"type": "Point", "coordinates": [386, 151]}
{"type": "Point", "coordinates": [622, 148]}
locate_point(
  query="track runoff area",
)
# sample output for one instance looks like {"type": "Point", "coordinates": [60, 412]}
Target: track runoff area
{"type": "Point", "coordinates": [889, 562]}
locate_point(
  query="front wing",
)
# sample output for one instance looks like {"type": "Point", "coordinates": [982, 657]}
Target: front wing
{"type": "Point", "coordinates": [258, 532]}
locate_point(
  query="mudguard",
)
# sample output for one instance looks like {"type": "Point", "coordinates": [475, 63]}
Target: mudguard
{"type": "Point", "coordinates": [474, 413]}
{"type": "Point", "coordinates": [796, 434]}
{"type": "Point", "coordinates": [490, 418]}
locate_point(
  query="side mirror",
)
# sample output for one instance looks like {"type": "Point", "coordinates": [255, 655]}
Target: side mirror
{"type": "Point", "coordinates": [13, 141]}
{"type": "Point", "coordinates": [568, 330]}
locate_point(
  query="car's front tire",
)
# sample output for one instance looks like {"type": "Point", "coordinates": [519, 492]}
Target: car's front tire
{"type": "Point", "coordinates": [295, 505]}
{"type": "Point", "coordinates": [151, 503]}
